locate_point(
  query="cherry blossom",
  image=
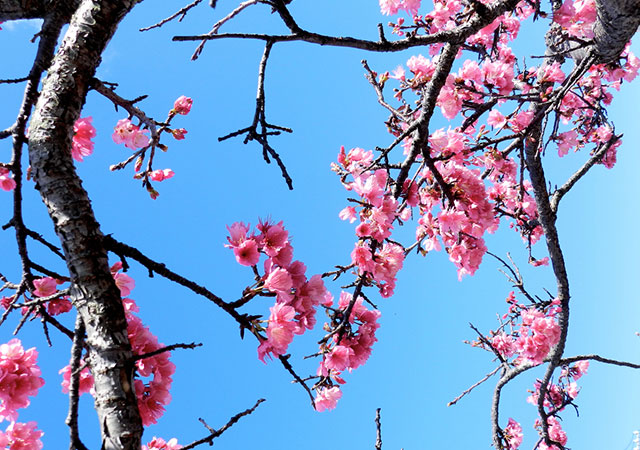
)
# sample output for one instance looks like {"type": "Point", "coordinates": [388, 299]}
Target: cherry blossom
{"type": "Point", "coordinates": [161, 175]}
{"type": "Point", "coordinates": [21, 436]}
{"type": "Point", "coordinates": [160, 444]}
{"type": "Point", "coordinates": [19, 378]}
{"type": "Point", "coordinates": [7, 183]}
{"type": "Point", "coordinates": [327, 398]}
{"type": "Point", "coordinates": [83, 132]}
{"type": "Point", "coordinates": [130, 135]}
{"type": "Point", "coordinates": [182, 105]}
{"type": "Point", "coordinates": [513, 434]}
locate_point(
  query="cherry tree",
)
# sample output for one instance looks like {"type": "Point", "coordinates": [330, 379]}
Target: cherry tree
{"type": "Point", "coordinates": [452, 186]}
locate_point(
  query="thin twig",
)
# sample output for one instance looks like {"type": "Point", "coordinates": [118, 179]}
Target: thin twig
{"type": "Point", "coordinates": [74, 386]}
{"type": "Point", "coordinates": [215, 433]}
{"type": "Point", "coordinates": [182, 13]}
{"type": "Point", "coordinates": [168, 348]}
{"type": "Point", "coordinates": [378, 431]}
{"type": "Point", "coordinates": [475, 385]}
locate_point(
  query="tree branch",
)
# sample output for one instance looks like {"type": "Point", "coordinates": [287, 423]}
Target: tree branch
{"type": "Point", "coordinates": [216, 433]}
{"type": "Point", "coordinates": [94, 292]}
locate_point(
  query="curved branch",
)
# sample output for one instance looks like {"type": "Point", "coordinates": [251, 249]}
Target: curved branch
{"type": "Point", "coordinates": [456, 35]}
{"type": "Point", "coordinates": [94, 292]}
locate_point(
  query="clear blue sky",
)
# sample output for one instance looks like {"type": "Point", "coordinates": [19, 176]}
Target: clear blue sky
{"type": "Point", "coordinates": [420, 362]}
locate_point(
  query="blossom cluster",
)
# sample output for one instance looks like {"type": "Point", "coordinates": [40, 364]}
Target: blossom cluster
{"type": "Point", "coordinates": [130, 135]}
{"type": "Point", "coordinates": [345, 351]}
{"type": "Point", "coordinates": [43, 287]}
{"type": "Point", "coordinates": [563, 392]}
{"type": "Point", "coordinates": [154, 373]}
{"type": "Point", "coordinates": [377, 260]}
{"type": "Point", "coordinates": [297, 297]}
{"type": "Point", "coordinates": [391, 7]}
{"type": "Point", "coordinates": [534, 331]}
{"type": "Point", "coordinates": [558, 396]}
{"type": "Point", "coordinates": [20, 379]}
{"type": "Point", "coordinates": [21, 436]}
{"type": "Point", "coordinates": [81, 144]}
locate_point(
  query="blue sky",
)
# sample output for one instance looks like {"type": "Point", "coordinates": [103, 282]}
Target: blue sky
{"type": "Point", "coordinates": [420, 362]}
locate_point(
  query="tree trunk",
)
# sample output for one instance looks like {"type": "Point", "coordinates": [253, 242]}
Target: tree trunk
{"type": "Point", "coordinates": [616, 24]}
{"type": "Point", "coordinates": [94, 292]}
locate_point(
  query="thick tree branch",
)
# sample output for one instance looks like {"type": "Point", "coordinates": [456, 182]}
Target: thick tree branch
{"type": "Point", "coordinates": [617, 22]}
{"type": "Point", "coordinates": [124, 250]}
{"type": "Point", "coordinates": [94, 292]}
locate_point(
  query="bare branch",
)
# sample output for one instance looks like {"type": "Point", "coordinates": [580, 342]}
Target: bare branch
{"type": "Point", "coordinates": [168, 348]}
{"type": "Point", "coordinates": [378, 431]}
{"type": "Point", "coordinates": [475, 385]}
{"type": "Point", "coordinates": [215, 433]}
{"type": "Point", "coordinates": [182, 13]}
{"type": "Point", "coordinates": [259, 120]}
{"type": "Point", "coordinates": [221, 22]}
{"type": "Point", "coordinates": [573, 179]}
{"type": "Point", "coordinates": [599, 358]}
{"type": "Point", "coordinates": [457, 34]}
{"type": "Point", "coordinates": [74, 386]}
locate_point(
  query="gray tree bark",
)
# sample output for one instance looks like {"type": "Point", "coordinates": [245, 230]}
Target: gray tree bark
{"type": "Point", "coordinates": [94, 292]}
{"type": "Point", "coordinates": [617, 22]}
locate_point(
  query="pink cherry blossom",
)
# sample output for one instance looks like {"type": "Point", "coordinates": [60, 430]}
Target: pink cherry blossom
{"type": "Point", "coordinates": [125, 283]}
{"type": "Point", "coordinates": [327, 398]}
{"type": "Point", "coordinates": [496, 119]}
{"type": "Point", "coordinates": [160, 175]}
{"type": "Point", "coordinates": [521, 121]}
{"type": "Point", "coordinates": [551, 73]}
{"type": "Point", "coordinates": [338, 358]}
{"type": "Point", "coordinates": [59, 306]}
{"type": "Point", "coordinates": [499, 75]}
{"type": "Point", "coordinates": [182, 105]}
{"type": "Point", "coordinates": [348, 213]}
{"type": "Point", "coordinates": [237, 234]}
{"type": "Point", "coordinates": [153, 395]}
{"type": "Point", "coordinates": [19, 378]}
{"type": "Point", "coordinates": [567, 141]}
{"type": "Point", "coordinates": [179, 133]}
{"type": "Point", "coordinates": [247, 253]}
{"type": "Point", "coordinates": [539, 262]}
{"type": "Point", "coordinates": [579, 369]}
{"type": "Point", "coordinates": [130, 135]}
{"type": "Point", "coordinates": [273, 238]}
{"type": "Point", "coordinates": [391, 7]}
{"type": "Point", "coordinates": [7, 183]}
{"type": "Point", "coordinates": [85, 380]}
{"type": "Point", "coordinates": [44, 287]}
{"type": "Point", "coordinates": [279, 281]}
{"type": "Point", "coordinates": [83, 132]}
{"type": "Point", "coordinates": [21, 436]}
{"type": "Point", "coordinates": [503, 344]}
{"type": "Point", "coordinates": [513, 434]}
{"type": "Point", "coordinates": [160, 444]}
{"type": "Point", "coordinates": [421, 67]}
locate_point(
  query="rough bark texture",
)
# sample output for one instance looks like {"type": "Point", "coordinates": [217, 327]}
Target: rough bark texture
{"type": "Point", "coordinates": [29, 9]}
{"type": "Point", "coordinates": [94, 292]}
{"type": "Point", "coordinates": [617, 22]}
